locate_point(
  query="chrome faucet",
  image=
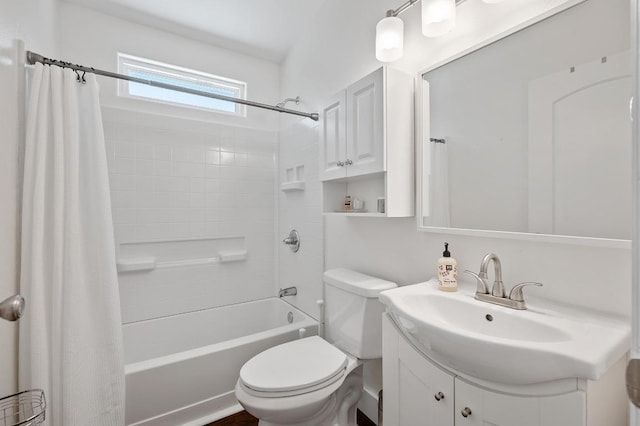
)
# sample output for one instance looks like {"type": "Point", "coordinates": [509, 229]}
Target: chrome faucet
{"type": "Point", "coordinates": [497, 296]}
{"type": "Point", "coordinates": [498, 287]}
{"type": "Point", "coordinates": [289, 291]}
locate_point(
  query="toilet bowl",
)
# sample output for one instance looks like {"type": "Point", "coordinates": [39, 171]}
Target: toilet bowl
{"type": "Point", "coordinates": [313, 381]}
{"type": "Point", "coordinates": [300, 383]}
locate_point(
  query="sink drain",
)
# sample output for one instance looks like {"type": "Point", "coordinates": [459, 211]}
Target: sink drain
{"type": "Point", "coordinates": [489, 317]}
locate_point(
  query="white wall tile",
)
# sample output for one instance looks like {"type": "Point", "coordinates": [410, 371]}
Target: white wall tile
{"type": "Point", "coordinates": [196, 154]}
{"type": "Point", "coordinates": [144, 167]}
{"type": "Point", "coordinates": [213, 156]}
{"type": "Point", "coordinates": [144, 183]}
{"type": "Point", "coordinates": [179, 154]}
{"type": "Point", "coordinates": [145, 151]}
{"type": "Point", "coordinates": [162, 168]}
{"type": "Point", "coordinates": [162, 152]}
{"type": "Point", "coordinates": [241, 159]}
{"type": "Point", "coordinates": [124, 216]}
{"type": "Point", "coordinates": [226, 158]}
{"type": "Point", "coordinates": [124, 165]}
{"type": "Point", "coordinates": [125, 149]}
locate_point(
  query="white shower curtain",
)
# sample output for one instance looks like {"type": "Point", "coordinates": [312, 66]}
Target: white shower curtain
{"type": "Point", "coordinates": [70, 335]}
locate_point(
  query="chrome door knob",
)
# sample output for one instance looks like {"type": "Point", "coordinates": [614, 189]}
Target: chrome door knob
{"type": "Point", "coordinates": [340, 164]}
{"type": "Point", "coordinates": [11, 308]}
{"type": "Point", "coordinates": [466, 412]}
{"type": "Point", "coordinates": [348, 162]}
{"type": "Point", "coordinates": [439, 396]}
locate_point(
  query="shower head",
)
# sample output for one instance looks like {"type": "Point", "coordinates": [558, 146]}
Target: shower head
{"type": "Point", "coordinates": [11, 308]}
{"type": "Point", "coordinates": [283, 103]}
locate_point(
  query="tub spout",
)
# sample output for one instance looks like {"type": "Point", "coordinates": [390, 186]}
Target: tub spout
{"type": "Point", "coordinates": [289, 291]}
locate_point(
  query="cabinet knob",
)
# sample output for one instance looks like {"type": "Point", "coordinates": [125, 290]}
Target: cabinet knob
{"type": "Point", "coordinates": [439, 396]}
{"type": "Point", "coordinates": [466, 412]}
{"type": "Point", "coordinates": [348, 162]}
{"type": "Point", "coordinates": [340, 164]}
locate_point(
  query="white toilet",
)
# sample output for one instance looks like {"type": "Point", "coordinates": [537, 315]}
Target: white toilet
{"type": "Point", "coordinates": [317, 382]}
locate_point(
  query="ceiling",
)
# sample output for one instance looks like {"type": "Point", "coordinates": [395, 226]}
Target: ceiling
{"type": "Point", "coordinates": [265, 29]}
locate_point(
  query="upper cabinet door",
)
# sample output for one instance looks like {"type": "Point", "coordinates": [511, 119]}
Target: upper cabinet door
{"type": "Point", "coordinates": [332, 137]}
{"type": "Point", "coordinates": [365, 129]}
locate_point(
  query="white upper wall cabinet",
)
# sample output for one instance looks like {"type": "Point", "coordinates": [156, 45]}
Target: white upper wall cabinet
{"type": "Point", "coordinates": [366, 145]}
{"type": "Point", "coordinates": [354, 123]}
{"type": "Point", "coordinates": [365, 125]}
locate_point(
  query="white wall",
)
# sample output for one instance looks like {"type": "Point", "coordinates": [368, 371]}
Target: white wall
{"type": "Point", "coordinates": [32, 21]}
{"type": "Point", "coordinates": [338, 50]}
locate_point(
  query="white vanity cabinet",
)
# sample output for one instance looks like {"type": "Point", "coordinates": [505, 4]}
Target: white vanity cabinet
{"type": "Point", "coordinates": [366, 144]}
{"type": "Point", "coordinates": [484, 407]}
{"type": "Point", "coordinates": [419, 392]}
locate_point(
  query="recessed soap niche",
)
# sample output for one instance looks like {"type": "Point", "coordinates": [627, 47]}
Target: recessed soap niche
{"type": "Point", "coordinates": [293, 179]}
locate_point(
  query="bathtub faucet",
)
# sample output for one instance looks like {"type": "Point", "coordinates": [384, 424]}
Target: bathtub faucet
{"type": "Point", "coordinates": [289, 291]}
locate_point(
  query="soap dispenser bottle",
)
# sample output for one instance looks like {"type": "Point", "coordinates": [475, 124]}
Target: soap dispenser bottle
{"type": "Point", "coordinates": [447, 271]}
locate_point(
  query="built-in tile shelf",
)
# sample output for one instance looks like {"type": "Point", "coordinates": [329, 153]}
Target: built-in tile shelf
{"type": "Point", "coordinates": [293, 179]}
{"type": "Point", "coordinates": [293, 186]}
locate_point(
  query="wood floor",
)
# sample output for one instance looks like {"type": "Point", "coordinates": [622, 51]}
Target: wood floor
{"type": "Point", "coordinates": [240, 419]}
{"type": "Point", "coordinates": [245, 419]}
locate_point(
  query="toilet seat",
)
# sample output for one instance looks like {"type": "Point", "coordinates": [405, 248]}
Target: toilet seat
{"type": "Point", "coordinates": [293, 368]}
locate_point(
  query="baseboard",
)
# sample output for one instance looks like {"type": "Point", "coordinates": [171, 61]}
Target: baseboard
{"type": "Point", "coordinates": [369, 404]}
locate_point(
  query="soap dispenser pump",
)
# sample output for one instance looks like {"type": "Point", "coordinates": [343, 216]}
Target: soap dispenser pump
{"type": "Point", "coordinates": [447, 271]}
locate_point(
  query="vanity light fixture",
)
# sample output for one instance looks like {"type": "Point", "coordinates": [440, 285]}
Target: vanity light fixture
{"type": "Point", "coordinates": [438, 18]}
{"type": "Point", "coordinates": [389, 38]}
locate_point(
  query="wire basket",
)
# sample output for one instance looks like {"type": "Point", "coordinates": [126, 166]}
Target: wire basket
{"type": "Point", "coordinates": [24, 408]}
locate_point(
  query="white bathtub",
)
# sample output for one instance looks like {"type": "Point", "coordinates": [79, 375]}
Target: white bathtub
{"type": "Point", "coordinates": [181, 370]}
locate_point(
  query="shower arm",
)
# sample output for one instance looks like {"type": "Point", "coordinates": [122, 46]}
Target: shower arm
{"type": "Point", "coordinates": [284, 103]}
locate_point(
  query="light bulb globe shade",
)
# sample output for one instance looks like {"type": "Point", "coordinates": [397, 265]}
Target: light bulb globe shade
{"type": "Point", "coordinates": [389, 39]}
{"type": "Point", "coordinates": [438, 17]}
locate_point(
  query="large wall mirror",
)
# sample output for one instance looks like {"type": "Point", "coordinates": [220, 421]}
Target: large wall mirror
{"type": "Point", "coordinates": [529, 137]}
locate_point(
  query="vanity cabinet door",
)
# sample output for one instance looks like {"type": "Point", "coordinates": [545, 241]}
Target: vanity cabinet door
{"type": "Point", "coordinates": [479, 407]}
{"type": "Point", "coordinates": [426, 391]}
{"type": "Point", "coordinates": [333, 138]}
{"type": "Point", "coordinates": [416, 392]}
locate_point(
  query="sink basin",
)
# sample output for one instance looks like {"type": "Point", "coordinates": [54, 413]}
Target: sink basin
{"type": "Point", "coordinates": [545, 343]}
{"type": "Point", "coordinates": [478, 318]}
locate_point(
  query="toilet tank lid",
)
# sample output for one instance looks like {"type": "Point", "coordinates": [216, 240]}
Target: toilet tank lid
{"type": "Point", "coordinates": [356, 282]}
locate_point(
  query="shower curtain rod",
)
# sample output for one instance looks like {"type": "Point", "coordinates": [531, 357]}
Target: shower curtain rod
{"type": "Point", "coordinates": [32, 58]}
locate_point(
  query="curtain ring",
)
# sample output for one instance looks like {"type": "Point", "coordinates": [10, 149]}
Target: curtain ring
{"type": "Point", "coordinates": [77, 76]}
{"type": "Point", "coordinates": [83, 79]}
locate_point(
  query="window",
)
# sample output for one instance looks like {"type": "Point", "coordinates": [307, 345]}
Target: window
{"type": "Point", "coordinates": [182, 77]}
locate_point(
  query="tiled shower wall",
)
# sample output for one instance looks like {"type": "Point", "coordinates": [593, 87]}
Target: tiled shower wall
{"type": "Point", "coordinates": [174, 180]}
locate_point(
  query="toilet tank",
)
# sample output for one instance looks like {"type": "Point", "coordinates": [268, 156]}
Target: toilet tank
{"type": "Point", "coordinates": [353, 313]}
